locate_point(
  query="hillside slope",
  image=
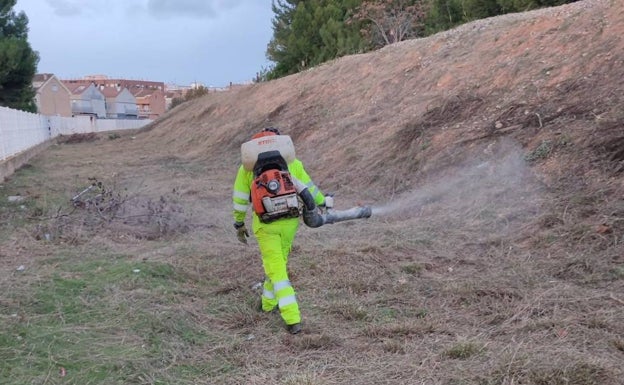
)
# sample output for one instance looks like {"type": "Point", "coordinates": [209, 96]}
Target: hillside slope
{"type": "Point", "coordinates": [528, 76]}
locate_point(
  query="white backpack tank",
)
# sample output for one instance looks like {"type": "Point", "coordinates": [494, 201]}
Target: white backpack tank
{"type": "Point", "coordinates": [251, 149]}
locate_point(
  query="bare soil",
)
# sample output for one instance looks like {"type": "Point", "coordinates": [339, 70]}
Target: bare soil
{"type": "Point", "coordinates": [493, 157]}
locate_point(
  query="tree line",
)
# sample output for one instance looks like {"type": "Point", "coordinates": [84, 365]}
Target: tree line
{"type": "Point", "coordinates": [309, 32]}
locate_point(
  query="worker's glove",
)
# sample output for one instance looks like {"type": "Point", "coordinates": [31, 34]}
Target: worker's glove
{"type": "Point", "coordinates": [241, 232]}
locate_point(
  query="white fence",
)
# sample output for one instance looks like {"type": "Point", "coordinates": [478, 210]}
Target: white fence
{"type": "Point", "coordinates": [21, 130]}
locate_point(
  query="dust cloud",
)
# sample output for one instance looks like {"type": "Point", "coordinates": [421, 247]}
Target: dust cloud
{"type": "Point", "coordinates": [491, 189]}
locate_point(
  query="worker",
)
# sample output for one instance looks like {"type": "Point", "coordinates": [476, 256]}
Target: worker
{"type": "Point", "coordinates": [274, 235]}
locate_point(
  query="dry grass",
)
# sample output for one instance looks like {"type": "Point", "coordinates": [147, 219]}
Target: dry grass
{"type": "Point", "coordinates": [492, 258]}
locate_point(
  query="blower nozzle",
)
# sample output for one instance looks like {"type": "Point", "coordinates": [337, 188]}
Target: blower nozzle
{"type": "Point", "coordinates": [316, 218]}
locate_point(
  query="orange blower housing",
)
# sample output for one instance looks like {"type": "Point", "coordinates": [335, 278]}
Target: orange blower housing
{"type": "Point", "coordinates": [273, 192]}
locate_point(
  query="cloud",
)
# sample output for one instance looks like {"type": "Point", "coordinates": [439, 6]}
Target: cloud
{"type": "Point", "coordinates": [168, 8]}
{"type": "Point", "coordinates": [65, 7]}
{"type": "Point", "coordinates": [162, 9]}
{"type": "Point", "coordinates": [69, 8]}
{"type": "Point", "coordinates": [190, 8]}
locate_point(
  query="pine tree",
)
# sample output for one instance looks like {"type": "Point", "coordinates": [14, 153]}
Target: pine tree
{"type": "Point", "coordinates": [18, 62]}
{"type": "Point", "coordinates": [307, 33]}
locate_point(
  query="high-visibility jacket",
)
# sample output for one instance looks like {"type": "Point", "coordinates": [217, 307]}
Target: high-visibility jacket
{"type": "Point", "coordinates": [242, 189]}
{"type": "Point", "coordinates": [275, 241]}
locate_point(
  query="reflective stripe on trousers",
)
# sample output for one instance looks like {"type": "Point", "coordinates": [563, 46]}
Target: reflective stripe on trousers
{"type": "Point", "coordinates": [275, 241]}
{"type": "Point", "coordinates": [279, 294]}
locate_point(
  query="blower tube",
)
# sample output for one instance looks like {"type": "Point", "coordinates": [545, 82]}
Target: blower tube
{"type": "Point", "coordinates": [313, 217]}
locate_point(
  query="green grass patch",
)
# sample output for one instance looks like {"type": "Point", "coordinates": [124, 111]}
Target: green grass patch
{"type": "Point", "coordinates": [108, 320]}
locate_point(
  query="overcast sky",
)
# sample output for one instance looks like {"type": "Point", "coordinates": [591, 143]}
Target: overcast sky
{"type": "Point", "coordinates": [213, 42]}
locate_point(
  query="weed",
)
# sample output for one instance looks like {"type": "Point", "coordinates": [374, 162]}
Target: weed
{"type": "Point", "coordinates": [392, 330]}
{"type": "Point", "coordinates": [422, 313]}
{"type": "Point", "coordinates": [78, 138]}
{"type": "Point", "coordinates": [313, 342]}
{"type": "Point", "coordinates": [302, 379]}
{"type": "Point", "coordinates": [349, 311]}
{"type": "Point", "coordinates": [412, 269]}
{"type": "Point", "coordinates": [618, 272]}
{"type": "Point", "coordinates": [351, 154]}
{"type": "Point", "coordinates": [540, 152]}
{"type": "Point", "coordinates": [387, 314]}
{"type": "Point", "coordinates": [575, 374]}
{"type": "Point", "coordinates": [564, 141]}
{"type": "Point", "coordinates": [240, 317]}
{"type": "Point", "coordinates": [464, 350]}
{"type": "Point", "coordinates": [394, 347]}
{"type": "Point", "coordinates": [545, 240]}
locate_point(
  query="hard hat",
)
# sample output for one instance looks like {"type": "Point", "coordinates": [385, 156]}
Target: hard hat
{"type": "Point", "coordinates": [268, 131]}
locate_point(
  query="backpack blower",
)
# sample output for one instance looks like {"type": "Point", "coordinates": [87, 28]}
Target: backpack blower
{"type": "Point", "coordinates": [275, 193]}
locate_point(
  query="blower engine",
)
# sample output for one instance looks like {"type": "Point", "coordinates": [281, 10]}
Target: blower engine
{"type": "Point", "coordinates": [275, 193]}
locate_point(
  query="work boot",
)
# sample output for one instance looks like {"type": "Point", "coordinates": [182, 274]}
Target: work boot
{"type": "Point", "coordinates": [294, 328]}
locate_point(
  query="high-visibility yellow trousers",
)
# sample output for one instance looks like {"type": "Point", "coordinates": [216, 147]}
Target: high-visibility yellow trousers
{"type": "Point", "coordinates": [275, 241]}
